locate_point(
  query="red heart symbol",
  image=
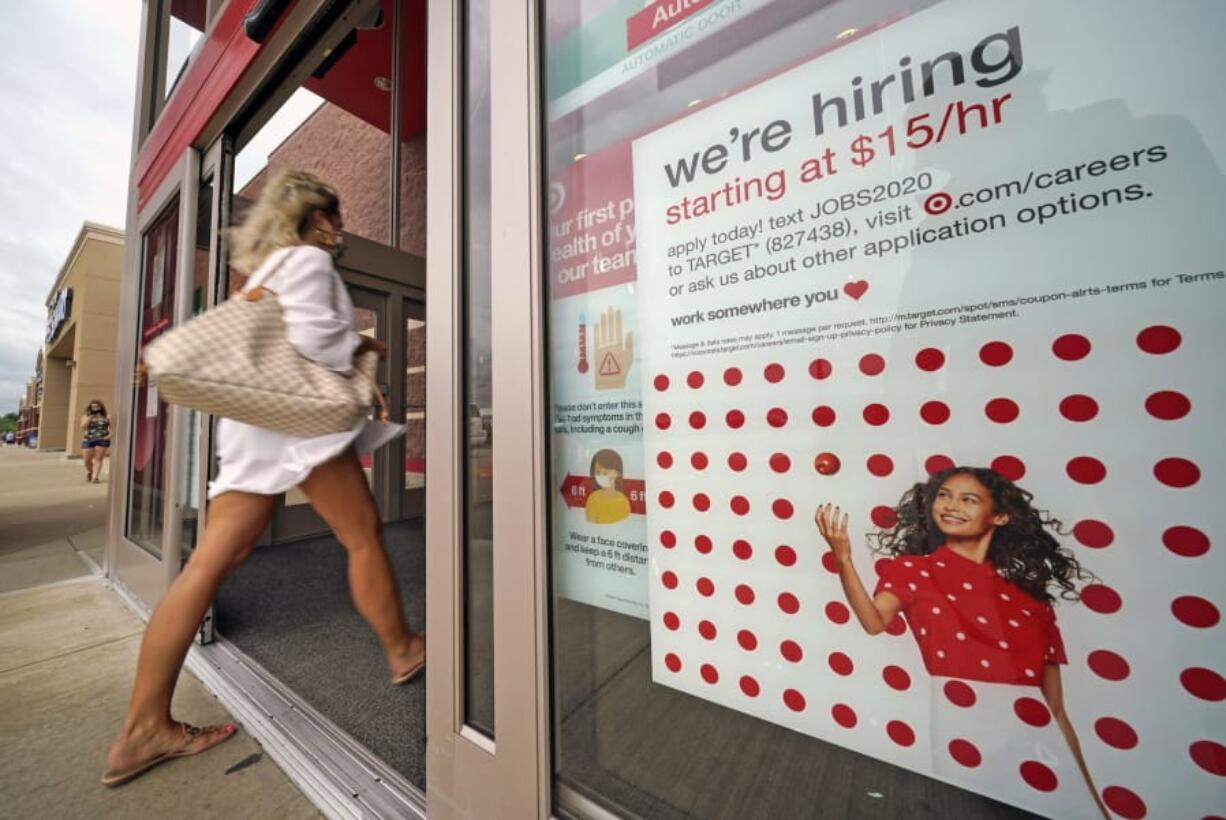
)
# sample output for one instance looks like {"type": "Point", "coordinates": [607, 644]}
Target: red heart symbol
{"type": "Point", "coordinates": [856, 289]}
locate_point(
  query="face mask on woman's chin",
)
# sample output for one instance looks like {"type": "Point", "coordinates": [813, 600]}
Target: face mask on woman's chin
{"type": "Point", "coordinates": [338, 248]}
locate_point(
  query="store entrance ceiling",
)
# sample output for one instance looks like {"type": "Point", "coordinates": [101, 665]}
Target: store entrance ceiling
{"type": "Point", "coordinates": [358, 81]}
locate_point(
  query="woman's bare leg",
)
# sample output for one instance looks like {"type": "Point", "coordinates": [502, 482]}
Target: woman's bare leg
{"type": "Point", "coordinates": [339, 493]}
{"type": "Point", "coordinates": [99, 460]}
{"type": "Point", "coordinates": [235, 520]}
{"type": "Point", "coordinates": [87, 456]}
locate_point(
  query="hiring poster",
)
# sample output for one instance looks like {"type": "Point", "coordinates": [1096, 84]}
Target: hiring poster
{"type": "Point", "coordinates": [977, 237]}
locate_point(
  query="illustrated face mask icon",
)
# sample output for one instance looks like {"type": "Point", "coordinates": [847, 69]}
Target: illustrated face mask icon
{"type": "Point", "coordinates": [604, 480]}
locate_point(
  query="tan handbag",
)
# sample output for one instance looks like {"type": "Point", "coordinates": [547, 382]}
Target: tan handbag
{"type": "Point", "coordinates": [235, 361]}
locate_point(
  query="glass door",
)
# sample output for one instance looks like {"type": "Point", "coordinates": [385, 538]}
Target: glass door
{"type": "Point", "coordinates": [413, 499]}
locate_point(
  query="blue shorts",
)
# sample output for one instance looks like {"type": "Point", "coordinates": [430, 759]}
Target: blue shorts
{"type": "Point", "coordinates": [89, 444]}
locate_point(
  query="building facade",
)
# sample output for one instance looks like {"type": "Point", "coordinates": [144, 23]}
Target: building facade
{"type": "Point", "coordinates": [77, 364]}
{"type": "Point", "coordinates": [855, 450]}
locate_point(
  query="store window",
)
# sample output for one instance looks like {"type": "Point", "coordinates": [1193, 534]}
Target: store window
{"type": "Point", "coordinates": [810, 254]}
{"type": "Point", "coordinates": [151, 415]}
{"type": "Point", "coordinates": [178, 28]}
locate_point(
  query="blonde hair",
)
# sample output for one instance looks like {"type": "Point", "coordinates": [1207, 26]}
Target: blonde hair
{"type": "Point", "coordinates": [278, 217]}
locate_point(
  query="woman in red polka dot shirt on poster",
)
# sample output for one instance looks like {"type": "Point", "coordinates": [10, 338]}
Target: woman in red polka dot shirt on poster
{"type": "Point", "coordinates": [973, 572]}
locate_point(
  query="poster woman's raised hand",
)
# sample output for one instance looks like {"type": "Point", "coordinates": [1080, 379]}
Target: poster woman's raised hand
{"type": "Point", "coordinates": [874, 614]}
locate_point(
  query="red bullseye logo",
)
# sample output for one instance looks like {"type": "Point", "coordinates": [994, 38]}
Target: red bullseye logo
{"type": "Point", "coordinates": [938, 203]}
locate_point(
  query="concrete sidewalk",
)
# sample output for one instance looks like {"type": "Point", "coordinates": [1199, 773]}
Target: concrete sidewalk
{"type": "Point", "coordinates": [68, 650]}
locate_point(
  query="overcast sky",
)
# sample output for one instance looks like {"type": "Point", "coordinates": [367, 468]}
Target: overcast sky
{"type": "Point", "coordinates": [67, 82]}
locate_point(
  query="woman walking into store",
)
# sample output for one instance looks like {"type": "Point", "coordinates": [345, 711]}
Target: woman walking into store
{"type": "Point", "coordinates": [287, 242]}
{"type": "Point", "coordinates": [96, 429]}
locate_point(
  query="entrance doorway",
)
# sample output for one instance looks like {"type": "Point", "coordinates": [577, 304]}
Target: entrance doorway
{"type": "Point", "coordinates": [388, 292]}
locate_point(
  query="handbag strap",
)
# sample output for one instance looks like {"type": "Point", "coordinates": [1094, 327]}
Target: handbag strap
{"type": "Point", "coordinates": [254, 290]}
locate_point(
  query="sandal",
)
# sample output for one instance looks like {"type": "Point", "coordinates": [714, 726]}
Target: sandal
{"type": "Point", "coordinates": [405, 677]}
{"type": "Point", "coordinates": [114, 778]}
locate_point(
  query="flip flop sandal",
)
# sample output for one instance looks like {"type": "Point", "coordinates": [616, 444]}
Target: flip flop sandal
{"type": "Point", "coordinates": [114, 778]}
{"type": "Point", "coordinates": [405, 677]}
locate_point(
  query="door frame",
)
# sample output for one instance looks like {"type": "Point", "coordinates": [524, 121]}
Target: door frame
{"type": "Point", "coordinates": [468, 774]}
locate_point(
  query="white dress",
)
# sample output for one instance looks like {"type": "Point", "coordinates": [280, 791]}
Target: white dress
{"type": "Point", "coordinates": [318, 316]}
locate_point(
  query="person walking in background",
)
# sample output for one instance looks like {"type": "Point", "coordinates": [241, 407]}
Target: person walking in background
{"type": "Point", "coordinates": [96, 441]}
{"type": "Point", "coordinates": [288, 241]}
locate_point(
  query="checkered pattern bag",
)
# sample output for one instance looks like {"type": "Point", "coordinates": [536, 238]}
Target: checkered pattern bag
{"type": "Point", "coordinates": [235, 361]}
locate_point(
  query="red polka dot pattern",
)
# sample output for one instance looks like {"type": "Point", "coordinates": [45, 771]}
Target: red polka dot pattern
{"type": "Point", "coordinates": [794, 700]}
{"type": "Point", "coordinates": [1002, 410]}
{"type": "Point", "coordinates": [1078, 408]}
{"type": "Point", "coordinates": [824, 416]}
{"type": "Point", "coordinates": [672, 662]}
{"type": "Point", "coordinates": [929, 359]}
{"type": "Point", "coordinates": [791, 651]}
{"type": "Point", "coordinates": [1196, 612]}
{"type": "Point", "coordinates": [1116, 733]}
{"type": "Point", "coordinates": [996, 354]}
{"type": "Point", "coordinates": [1159, 339]}
{"type": "Point", "coordinates": [1168, 405]}
{"type": "Point", "coordinates": [837, 612]}
{"type": "Point", "coordinates": [709, 673]}
{"type": "Point", "coordinates": [872, 365]}
{"type": "Point", "coordinates": [1093, 534]}
{"type": "Point", "coordinates": [1071, 347]}
{"type": "Point", "coordinates": [1101, 598]}
{"type": "Point", "coordinates": [1210, 756]}
{"type": "Point", "coordinates": [661, 382]}
{"type": "Point", "coordinates": [707, 630]}
{"type": "Point", "coordinates": [788, 603]}
{"type": "Point", "coordinates": [739, 505]}
{"type": "Point", "coordinates": [1039, 776]}
{"type": "Point", "coordinates": [750, 686]}
{"type": "Point", "coordinates": [785, 555]}
{"type": "Point", "coordinates": [699, 461]}
{"type": "Point", "coordinates": [965, 752]}
{"type": "Point", "coordinates": [782, 508]}
{"type": "Point", "coordinates": [1108, 665]}
{"type": "Point", "coordinates": [1203, 683]}
{"type": "Point", "coordinates": [959, 694]}
{"type": "Point", "coordinates": [937, 463]}
{"type": "Point", "coordinates": [1086, 470]}
{"type": "Point", "coordinates": [1031, 711]}
{"type": "Point", "coordinates": [663, 421]}
{"type": "Point", "coordinates": [703, 544]}
{"type": "Point", "coordinates": [705, 587]}
{"type": "Point", "coordinates": [695, 380]}
{"type": "Point", "coordinates": [840, 663]}
{"type": "Point", "coordinates": [734, 419]}
{"type": "Point", "coordinates": [742, 549]}
{"type": "Point", "coordinates": [1186, 541]}
{"type": "Point", "coordinates": [900, 733]}
{"type": "Point", "coordinates": [669, 579]}
{"type": "Point", "coordinates": [820, 369]}
{"type": "Point", "coordinates": [732, 376]}
{"type": "Point", "coordinates": [876, 414]}
{"type": "Point", "coordinates": [844, 715]}
{"type": "Point", "coordinates": [747, 640]}
{"type": "Point", "coordinates": [934, 412]}
{"type": "Point", "coordinates": [1124, 802]}
{"type": "Point", "coordinates": [665, 499]}
{"type": "Point", "coordinates": [672, 621]}
{"type": "Point", "coordinates": [1177, 472]}
{"type": "Point", "coordinates": [880, 465]}
{"type": "Point", "coordinates": [774, 373]}
{"type": "Point", "coordinates": [884, 517]}
{"type": "Point", "coordinates": [780, 463]}
{"type": "Point", "coordinates": [664, 459]}
{"type": "Point", "coordinates": [896, 678]}
{"type": "Point", "coordinates": [701, 502]}
{"type": "Point", "coordinates": [1011, 467]}
{"type": "Point", "coordinates": [745, 594]}
{"type": "Point", "coordinates": [777, 417]}
{"type": "Point", "coordinates": [737, 462]}
{"type": "Point", "coordinates": [668, 539]}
